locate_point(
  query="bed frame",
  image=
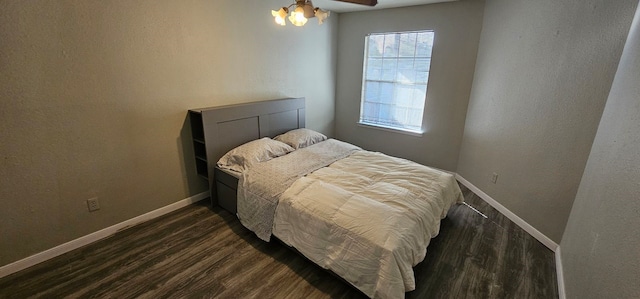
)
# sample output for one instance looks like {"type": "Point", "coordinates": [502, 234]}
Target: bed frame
{"type": "Point", "coordinates": [226, 127]}
{"type": "Point", "coordinates": [216, 130]}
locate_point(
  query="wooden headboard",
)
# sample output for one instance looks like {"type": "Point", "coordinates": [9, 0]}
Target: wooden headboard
{"type": "Point", "coordinates": [216, 130]}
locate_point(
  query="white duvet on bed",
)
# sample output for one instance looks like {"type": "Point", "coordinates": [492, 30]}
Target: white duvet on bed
{"type": "Point", "coordinates": [260, 187]}
{"type": "Point", "coordinates": [368, 218]}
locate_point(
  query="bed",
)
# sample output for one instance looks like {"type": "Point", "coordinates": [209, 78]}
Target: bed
{"type": "Point", "coordinates": [365, 216]}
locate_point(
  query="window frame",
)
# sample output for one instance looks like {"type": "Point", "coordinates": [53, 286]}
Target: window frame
{"type": "Point", "coordinates": [396, 82]}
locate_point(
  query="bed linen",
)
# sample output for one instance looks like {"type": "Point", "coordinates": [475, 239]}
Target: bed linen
{"type": "Point", "coordinates": [368, 218]}
{"type": "Point", "coordinates": [365, 216]}
{"type": "Point", "coordinates": [260, 186]}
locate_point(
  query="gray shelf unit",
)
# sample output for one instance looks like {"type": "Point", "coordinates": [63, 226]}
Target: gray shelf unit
{"type": "Point", "coordinates": [199, 144]}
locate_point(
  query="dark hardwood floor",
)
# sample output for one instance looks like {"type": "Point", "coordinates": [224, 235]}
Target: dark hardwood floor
{"type": "Point", "coordinates": [199, 252]}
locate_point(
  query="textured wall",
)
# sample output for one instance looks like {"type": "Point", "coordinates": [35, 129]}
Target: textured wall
{"type": "Point", "coordinates": [601, 245]}
{"type": "Point", "coordinates": [543, 73]}
{"type": "Point", "coordinates": [94, 97]}
{"type": "Point", "coordinates": [457, 28]}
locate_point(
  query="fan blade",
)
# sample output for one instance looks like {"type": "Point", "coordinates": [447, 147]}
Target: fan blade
{"type": "Point", "coordinates": [363, 2]}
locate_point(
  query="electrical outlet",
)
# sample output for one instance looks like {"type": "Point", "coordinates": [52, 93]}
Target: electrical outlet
{"type": "Point", "coordinates": [494, 178]}
{"type": "Point", "coordinates": [92, 204]}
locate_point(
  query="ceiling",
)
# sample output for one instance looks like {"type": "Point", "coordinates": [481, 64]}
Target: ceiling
{"type": "Point", "coordinates": [340, 7]}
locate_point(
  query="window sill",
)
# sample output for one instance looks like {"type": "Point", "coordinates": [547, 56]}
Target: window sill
{"type": "Point", "coordinates": [390, 129]}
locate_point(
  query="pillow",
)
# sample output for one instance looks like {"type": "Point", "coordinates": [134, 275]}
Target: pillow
{"type": "Point", "coordinates": [300, 138]}
{"type": "Point", "coordinates": [243, 157]}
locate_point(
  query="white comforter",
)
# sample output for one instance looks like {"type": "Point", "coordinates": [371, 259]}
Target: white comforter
{"type": "Point", "coordinates": [260, 187]}
{"type": "Point", "coordinates": [368, 218]}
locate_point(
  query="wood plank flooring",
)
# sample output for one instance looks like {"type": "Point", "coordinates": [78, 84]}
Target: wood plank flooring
{"type": "Point", "coordinates": [200, 252]}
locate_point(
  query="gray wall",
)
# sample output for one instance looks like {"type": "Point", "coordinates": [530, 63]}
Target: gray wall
{"type": "Point", "coordinates": [457, 28]}
{"type": "Point", "coordinates": [94, 97]}
{"type": "Point", "coordinates": [543, 73]}
{"type": "Point", "coordinates": [601, 244]}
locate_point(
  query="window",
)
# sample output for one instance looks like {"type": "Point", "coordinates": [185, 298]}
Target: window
{"type": "Point", "coordinates": [394, 80]}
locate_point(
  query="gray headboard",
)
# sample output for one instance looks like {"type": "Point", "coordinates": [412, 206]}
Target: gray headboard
{"type": "Point", "coordinates": [226, 127]}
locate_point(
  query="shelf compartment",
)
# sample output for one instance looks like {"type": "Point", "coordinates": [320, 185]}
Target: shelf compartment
{"type": "Point", "coordinates": [197, 127]}
{"type": "Point", "coordinates": [201, 168]}
{"type": "Point", "coordinates": [200, 150]}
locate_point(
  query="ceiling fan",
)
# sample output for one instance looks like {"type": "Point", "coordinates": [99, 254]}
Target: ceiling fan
{"type": "Point", "coordinates": [304, 10]}
{"type": "Point", "coordinates": [362, 2]}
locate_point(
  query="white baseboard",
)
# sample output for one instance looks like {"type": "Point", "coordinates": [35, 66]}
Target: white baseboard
{"type": "Point", "coordinates": [95, 236]}
{"type": "Point", "coordinates": [527, 227]}
{"type": "Point", "coordinates": [513, 217]}
{"type": "Point", "coordinates": [560, 275]}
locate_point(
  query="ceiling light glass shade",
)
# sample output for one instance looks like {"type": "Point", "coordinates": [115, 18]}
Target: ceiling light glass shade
{"type": "Point", "coordinates": [309, 11]}
{"type": "Point", "coordinates": [321, 15]}
{"type": "Point", "coordinates": [297, 17]}
{"type": "Point", "coordinates": [280, 15]}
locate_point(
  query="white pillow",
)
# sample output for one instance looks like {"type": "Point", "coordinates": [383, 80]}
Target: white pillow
{"type": "Point", "coordinates": [243, 157]}
{"type": "Point", "coordinates": [300, 138]}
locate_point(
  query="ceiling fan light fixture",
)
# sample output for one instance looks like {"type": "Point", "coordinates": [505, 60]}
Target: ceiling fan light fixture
{"type": "Point", "coordinates": [299, 16]}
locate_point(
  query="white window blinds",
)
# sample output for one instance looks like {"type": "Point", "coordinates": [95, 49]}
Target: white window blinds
{"type": "Point", "coordinates": [395, 76]}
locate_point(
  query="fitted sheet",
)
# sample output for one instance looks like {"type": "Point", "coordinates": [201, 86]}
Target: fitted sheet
{"type": "Point", "coordinates": [368, 218]}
